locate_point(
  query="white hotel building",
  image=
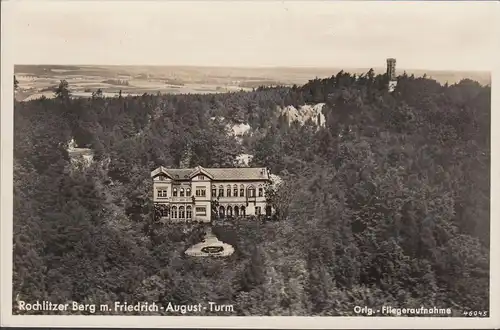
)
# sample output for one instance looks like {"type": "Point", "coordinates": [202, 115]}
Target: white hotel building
{"type": "Point", "coordinates": [187, 194]}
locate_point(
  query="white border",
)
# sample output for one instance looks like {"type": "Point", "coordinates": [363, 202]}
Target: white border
{"type": "Point", "coordinates": [8, 59]}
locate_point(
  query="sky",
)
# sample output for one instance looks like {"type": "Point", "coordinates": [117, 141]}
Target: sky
{"type": "Point", "coordinates": [351, 34]}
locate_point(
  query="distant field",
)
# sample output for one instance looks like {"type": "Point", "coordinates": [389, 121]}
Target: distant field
{"type": "Point", "coordinates": [35, 80]}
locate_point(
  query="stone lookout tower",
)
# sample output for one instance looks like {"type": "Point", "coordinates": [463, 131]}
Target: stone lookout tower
{"type": "Point", "coordinates": [391, 74]}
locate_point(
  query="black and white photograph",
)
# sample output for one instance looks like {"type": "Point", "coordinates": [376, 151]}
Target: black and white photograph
{"type": "Point", "coordinates": [276, 164]}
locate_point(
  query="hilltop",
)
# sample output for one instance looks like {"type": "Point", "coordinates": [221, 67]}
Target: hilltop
{"type": "Point", "coordinates": [384, 204]}
{"type": "Point", "coordinates": [37, 80]}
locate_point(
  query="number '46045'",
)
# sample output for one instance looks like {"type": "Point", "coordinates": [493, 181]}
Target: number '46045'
{"type": "Point", "coordinates": [475, 313]}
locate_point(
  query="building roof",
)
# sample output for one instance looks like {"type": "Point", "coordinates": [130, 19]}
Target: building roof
{"type": "Point", "coordinates": [222, 174]}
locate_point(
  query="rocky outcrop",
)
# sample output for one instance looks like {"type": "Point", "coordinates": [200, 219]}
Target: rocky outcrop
{"type": "Point", "coordinates": [80, 156]}
{"type": "Point", "coordinates": [240, 129]}
{"type": "Point", "coordinates": [305, 113]}
{"type": "Point", "coordinates": [244, 159]}
{"type": "Point", "coordinates": [237, 130]}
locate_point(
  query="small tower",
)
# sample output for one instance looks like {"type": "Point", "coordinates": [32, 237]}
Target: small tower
{"type": "Point", "coordinates": [391, 74]}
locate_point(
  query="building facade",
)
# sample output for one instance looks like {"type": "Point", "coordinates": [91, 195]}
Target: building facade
{"type": "Point", "coordinates": [191, 194]}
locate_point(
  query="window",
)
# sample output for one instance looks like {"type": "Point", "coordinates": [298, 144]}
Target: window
{"type": "Point", "coordinates": [182, 214]}
{"type": "Point", "coordinates": [174, 192]}
{"type": "Point", "coordinates": [189, 213]}
{"type": "Point", "coordinates": [261, 192]}
{"type": "Point", "coordinates": [235, 190]}
{"type": "Point", "coordinates": [221, 191]}
{"type": "Point", "coordinates": [201, 177]}
{"type": "Point", "coordinates": [228, 191]}
{"type": "Point", "coordinates": [214, 191]}
{"type": "Point", "coordinates": [162, 178]}
{"type": "Point", "coordinates": [251, 192]}
{"type": "Point", "coordinates": [182, 192]}
{"type": "Point", "coordinates": [243, 211]}
{"type": "Point", "coordinates": [162, 193]}
{"type": "Point", "coordinates": [174, 212]}
{"type": "Point", "coordinates": [200, 192]}
{"type": "Point", "coordinates": [201, 210]}
{"type": "Point", "coordinates": [242, 190]}
{"type": "Point", "coordinates": [188, 192]}
{"type": "Point", "coordinates": [258, 210]}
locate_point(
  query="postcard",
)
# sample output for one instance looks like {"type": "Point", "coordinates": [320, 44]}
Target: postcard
{"type": "Point", "coordinates": [250, 164]}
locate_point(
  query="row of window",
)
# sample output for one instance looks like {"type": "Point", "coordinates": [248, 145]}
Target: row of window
{"type": "Point", "coordinates": [183, 212]}
{"type": "Point", "coordinates": [175, 193]}
{"type": "Point", "coordinates": [234, 192]}
{"type": "Point", "coordinates": [230, 211]}
{"type": "Point", "coordinates": [236, 211]}
{"type": "Point", "coordinates": [201, 192]}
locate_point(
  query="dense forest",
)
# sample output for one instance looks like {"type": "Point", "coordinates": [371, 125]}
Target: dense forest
{"type": "Point", "coordinates": [388, 204]}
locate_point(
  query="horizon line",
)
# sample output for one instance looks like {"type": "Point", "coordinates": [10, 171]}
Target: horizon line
{"type": "Point", "coordinates": [299, 67]}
